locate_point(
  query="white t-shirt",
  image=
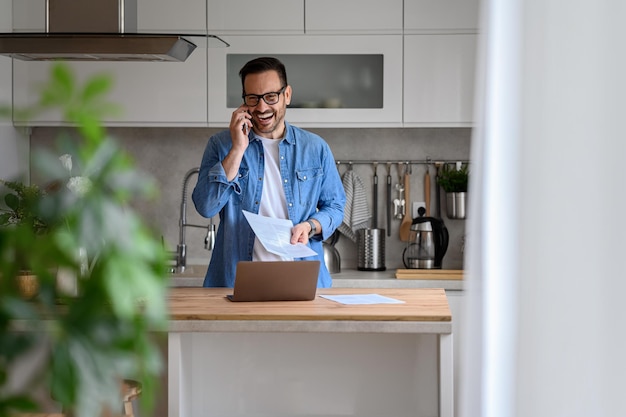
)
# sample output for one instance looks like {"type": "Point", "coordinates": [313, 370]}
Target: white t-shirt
{"type": "Point", "coordinates": [273, 201]}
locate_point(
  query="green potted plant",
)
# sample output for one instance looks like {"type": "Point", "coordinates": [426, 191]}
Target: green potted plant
{"type": "Point", "coordinates": [454, 181]}
{"type": "Point", "coordinates": [20, 212]}
{"type": "Point", "coordinates": [89, 343]}
{"type": "Point", "coordinates": [20, 200]}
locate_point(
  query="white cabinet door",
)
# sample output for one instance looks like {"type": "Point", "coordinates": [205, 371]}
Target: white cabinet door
{"type": "Point", "coordinates": [245, 17]}
{"type": "Point", "coordinates": [6, 72]}
{"type": "Point", "coordinates": [171, 16]}
{"type": "Point", "coordinates": [148, 93]}
{"type": "Point", "coordinates": [353, 17]}
{"type": "Point", "coordinates": [14, 150]}
{"type": "Point", "coordinates": [29, 15]}
{"type": "Point", "coordinates": [439, 76]}
{"type": "Point", "coordinates": [440, 15]}
{"type": "Point", "coordinates": [325, 111]}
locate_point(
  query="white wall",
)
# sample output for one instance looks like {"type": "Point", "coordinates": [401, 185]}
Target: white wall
{"type": "Point", "coordinates": [14, 154]}
{"type": "Point", "coordinates": [546, 252]}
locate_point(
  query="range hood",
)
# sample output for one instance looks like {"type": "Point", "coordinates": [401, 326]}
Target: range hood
{"type": "Point", "coordinates": [95, 30]}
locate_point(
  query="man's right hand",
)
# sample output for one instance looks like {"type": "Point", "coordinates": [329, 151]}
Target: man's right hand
{"type": "Point", "coordinates": [240, 125]}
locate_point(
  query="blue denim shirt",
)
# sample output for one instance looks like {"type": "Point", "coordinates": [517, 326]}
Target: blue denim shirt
{"type": "Point", "coordinates": [312, 185]}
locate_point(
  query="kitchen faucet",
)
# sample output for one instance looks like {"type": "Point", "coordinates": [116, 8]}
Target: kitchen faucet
{"type": "Point", "coordinates": [181, 248]}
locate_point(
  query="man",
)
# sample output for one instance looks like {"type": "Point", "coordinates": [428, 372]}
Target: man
{"type": "Point", "coordinates": [264, 165]}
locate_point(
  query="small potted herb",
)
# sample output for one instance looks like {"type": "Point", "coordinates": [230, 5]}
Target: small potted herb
{"type": "Point", "coordinates": [454, 180]}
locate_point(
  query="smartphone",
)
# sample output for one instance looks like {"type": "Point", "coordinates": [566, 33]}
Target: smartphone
{"type": "Point", "coordinates": [244, 128]}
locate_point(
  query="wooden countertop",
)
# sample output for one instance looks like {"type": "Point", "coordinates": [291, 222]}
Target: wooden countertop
{"type": "Point", "coordinates": [39, 415]}
{"type": "Point", "coordinates": [210, 304]}
{"type": "Point", "coordinates": [347, 278]}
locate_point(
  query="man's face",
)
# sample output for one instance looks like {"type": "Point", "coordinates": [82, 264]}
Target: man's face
{"type": "Point", "coordinates": [268, 120]}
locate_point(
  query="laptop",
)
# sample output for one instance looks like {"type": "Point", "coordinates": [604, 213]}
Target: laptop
{"type": "Point", "coordinates": [275, 281]}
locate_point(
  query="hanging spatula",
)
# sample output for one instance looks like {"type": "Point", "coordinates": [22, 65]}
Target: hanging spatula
{"type": "Point", "coordinates": [375, 197]}
{"type": "Point", "coordinates": [427, 190]}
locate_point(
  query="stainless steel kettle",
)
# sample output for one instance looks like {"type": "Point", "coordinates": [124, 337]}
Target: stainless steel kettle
{"type": "Point", "coordinates": [427, 245]}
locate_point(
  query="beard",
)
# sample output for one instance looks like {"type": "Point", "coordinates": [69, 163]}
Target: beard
{"type": "Point", "coordinates": [269, 121]}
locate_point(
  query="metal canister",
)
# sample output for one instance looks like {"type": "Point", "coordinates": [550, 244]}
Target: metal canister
{"type": "Point", "coordinates": [370, 249]}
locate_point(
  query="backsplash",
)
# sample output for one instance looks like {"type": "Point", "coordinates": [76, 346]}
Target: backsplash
{"type": "Point", "coordinates": [168, 153]}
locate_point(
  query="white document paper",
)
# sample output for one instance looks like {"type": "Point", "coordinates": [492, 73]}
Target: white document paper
{"type": "Point", "coordinates": [275, 236]}
{"type": "Point", "coordinates": [362, 299]}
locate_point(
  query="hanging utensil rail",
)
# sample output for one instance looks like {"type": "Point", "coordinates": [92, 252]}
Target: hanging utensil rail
{"type": "Point", "coordinates": [428, 161]}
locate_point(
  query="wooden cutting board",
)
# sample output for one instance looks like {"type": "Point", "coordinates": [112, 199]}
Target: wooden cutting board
{"type": "Point", "coordinates": [429, 274]}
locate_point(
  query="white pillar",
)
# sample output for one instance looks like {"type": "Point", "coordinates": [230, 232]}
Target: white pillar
{"type": "Point", "coordinates": [546, 228]}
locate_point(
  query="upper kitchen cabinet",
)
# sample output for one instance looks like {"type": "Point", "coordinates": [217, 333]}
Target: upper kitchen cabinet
{"type": "Point", "coordinates": [29, 15]}
{"type": "Point", "coordinates": [244, 17]}
{"type": "Point", "coordinates": [353, 17]}
{"type": "Point", "coordinates": [441, 16]}
{"type": "Point", "coordinates": [171, 16]}
{"type": "Point", "coordinates": [439, 76]}
{"type": "Point", "coordinates": [147, 93]}
{"type": "Point", "coordinates": [337, 81]}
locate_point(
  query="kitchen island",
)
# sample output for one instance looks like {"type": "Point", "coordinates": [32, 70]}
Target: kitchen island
{"type": "Point", "coordinates": [310, 358]}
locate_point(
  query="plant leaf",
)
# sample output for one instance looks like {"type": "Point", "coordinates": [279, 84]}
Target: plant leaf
{"type": "Point", "coordinates": [95, 88]}
{"type": "Point", "coordinates": [12, 201]}
{"type": "Point", "coordinates": [63, 381]}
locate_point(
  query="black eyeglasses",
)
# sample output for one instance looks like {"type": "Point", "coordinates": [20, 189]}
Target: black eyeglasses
{"type": "Point", "coordinates": [269, 98]}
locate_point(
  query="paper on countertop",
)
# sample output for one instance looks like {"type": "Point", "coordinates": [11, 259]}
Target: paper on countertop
{"type": "Point", "coordinates": [362, 299]}
{"type": "Point", "coordinates": [275, 236]}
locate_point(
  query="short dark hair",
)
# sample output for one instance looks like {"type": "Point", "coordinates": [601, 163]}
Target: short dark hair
{"type": "Point", "coordinates": [262, 64]}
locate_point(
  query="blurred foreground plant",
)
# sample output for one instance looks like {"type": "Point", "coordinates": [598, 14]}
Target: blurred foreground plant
{"type": "Point", "coordinates": [107, 331]}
